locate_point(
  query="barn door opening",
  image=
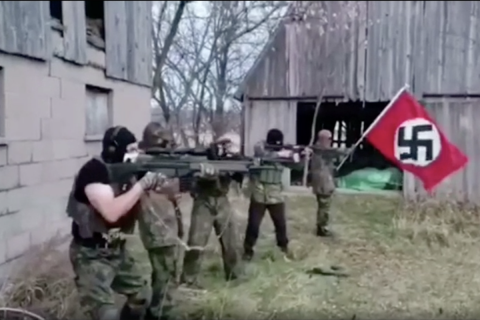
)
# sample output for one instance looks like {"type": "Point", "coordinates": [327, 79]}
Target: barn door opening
{"type": "Point", "coordinates": [347, 121]}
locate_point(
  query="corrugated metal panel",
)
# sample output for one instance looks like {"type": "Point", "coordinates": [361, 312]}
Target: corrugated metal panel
{"type": "Point", "coordinates": [74, 34]}
{"type": "Point", "coordinates": [261, 116]}
{"type": "Point", "coordinates": [24, 29]}
{"type": "Point", "coordinates": [130, 57]}
{"type": "Point", "coordinates": [457, 119]}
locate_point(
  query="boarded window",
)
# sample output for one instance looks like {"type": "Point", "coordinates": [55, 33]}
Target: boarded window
{"type": "Point", "coordinates": [98, 111]}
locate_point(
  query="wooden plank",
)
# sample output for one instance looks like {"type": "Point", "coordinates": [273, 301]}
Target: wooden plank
{"type": "Point", "coordinates": [129, 57]}
{"type": "Point", "coordinates": [139, 42]}
{"type": "Point", "coordinates": [261, 116]}
{"type": "Point", "coordinates": [116, 46]}
{"type": "Point", "coordinates": [74, 35]}
{"type": "Point", "coordinates": [23, 28]}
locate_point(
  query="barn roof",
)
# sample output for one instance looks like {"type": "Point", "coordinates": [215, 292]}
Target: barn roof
{"type": "Point", "coordinates": [265, 51]}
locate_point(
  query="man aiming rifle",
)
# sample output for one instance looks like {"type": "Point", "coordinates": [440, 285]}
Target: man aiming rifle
{"type": "Point", "coordinates": [267, 193]}
{"type": "Point", "coordinates": [160, 231]}
{"type": "Point", "coordinates": [212, 209]}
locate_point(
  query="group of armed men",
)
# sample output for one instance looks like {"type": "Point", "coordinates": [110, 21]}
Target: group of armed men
{"type": "Point", "coordinates": [104, 214]}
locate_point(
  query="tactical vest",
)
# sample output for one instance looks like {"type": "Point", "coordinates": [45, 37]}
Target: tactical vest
{"type": "Point", "coordinates": [267, 174]}
{"type": "Point", "coordinates": [89, 221]}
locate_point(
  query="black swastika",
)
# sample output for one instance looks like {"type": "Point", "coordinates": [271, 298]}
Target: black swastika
{"type": "Point", "coordinates": [414, 143]}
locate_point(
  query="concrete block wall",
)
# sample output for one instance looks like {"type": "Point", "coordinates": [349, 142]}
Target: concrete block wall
{"type": "Point", "coordinates": [43, 143]}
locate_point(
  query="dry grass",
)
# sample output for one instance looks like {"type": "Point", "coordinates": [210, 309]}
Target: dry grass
{"type": "Point", "coordinates": [409, 261]}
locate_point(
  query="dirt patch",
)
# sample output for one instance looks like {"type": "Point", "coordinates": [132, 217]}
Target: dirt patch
{"type": "Point", "coordinates": [416, 260]}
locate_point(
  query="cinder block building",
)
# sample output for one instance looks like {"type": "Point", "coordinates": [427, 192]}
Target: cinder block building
{"type": "Point", "coordinates": [68, 70]}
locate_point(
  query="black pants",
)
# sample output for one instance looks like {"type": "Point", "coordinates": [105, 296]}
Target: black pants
{"type": "Point", "coordinates": [256, 211]}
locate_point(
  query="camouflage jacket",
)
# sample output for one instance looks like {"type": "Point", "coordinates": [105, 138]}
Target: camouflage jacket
{"type": "Point", "coordinates": [261, 192]}
{"type": "Point", "coordinates": [157, 223]}
{"type": "Point", "coordinates": [322, 169]}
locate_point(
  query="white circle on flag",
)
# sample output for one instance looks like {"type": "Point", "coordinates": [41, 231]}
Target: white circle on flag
{"type": "Point", "coordinates": [417, 147]}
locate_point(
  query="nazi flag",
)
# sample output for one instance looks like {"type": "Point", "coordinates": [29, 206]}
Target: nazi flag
{"type": "Point", "coordinates": [408, 136]}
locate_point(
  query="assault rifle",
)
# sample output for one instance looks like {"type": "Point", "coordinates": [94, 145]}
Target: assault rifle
{"type": "Point", "coordinates": [184, 164]}
{"type": "Point", "coordinates": [181, 165]}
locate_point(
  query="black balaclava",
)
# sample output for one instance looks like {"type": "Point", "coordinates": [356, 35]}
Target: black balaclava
{"type": "Point", "coordinates": [115, 142]}
{"type": "Point", "coordinates": [275, 137]}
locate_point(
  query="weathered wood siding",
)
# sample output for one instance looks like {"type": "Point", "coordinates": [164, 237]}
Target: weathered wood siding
{"type": "Point", "coordinates": [457, 119]}
{"type": "Point", "coordinates": [24, 28]}
{"type": "Point", "coordinates": [261, 116]}
{"type": "Point", "coordinates": [74, 35]}
{"type": "Point", "coordinates": [323, 50]}
{"type": "Point", "coordinates": [451, 54]}
{"type": "Point", "coordinates": [269, 76]}
{"type": "Point", "coordinates": [129, 57]}
{"type": "Point", "coordinates": [431, 45]}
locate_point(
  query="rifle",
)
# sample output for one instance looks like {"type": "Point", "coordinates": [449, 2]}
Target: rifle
{"type": "Point", "coordinates": [173, 164]}
{"type": "Point", "coordinates": [184, 163]}
{"type": "Point", "coordinates": [326, 153]}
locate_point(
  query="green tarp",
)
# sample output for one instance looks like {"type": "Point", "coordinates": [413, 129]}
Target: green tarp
{"type": "Point", "coordinates": [371, 179]}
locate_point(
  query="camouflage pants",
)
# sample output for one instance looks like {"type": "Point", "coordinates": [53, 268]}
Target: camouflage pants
{"type": "Point", "coordinates": [163, 260]}
{"type": "Point", "coordinates": [99, 272]}
{"type": "Point", "coordinates": [208, 213]}
{"type": "Point", "coordinates": [323, 209]}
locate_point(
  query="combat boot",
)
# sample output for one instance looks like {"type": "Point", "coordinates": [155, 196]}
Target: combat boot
{"type": "Point", "coordinates": [287, 254]}
{"type": "Point", "coordinates": [128, 313]}
{"type": "Point", "coordinates": [247, 255]}
{"type": "Point", "coordinates": [323, 232]}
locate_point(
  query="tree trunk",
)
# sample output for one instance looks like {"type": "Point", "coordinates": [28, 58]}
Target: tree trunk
{"type": "Point", "coordinates": [312, 139]}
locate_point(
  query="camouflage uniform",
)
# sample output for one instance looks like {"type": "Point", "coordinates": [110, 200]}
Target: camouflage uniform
{"type": "Point", "coordinates": [102, 270]}
{"type": "Point", "coordinates": [323, 183]}
{"type": "Point", "coordinates": [211, 208]}
{"type": "Point", "coordinates": [99, 272]}
{"type": "Point", "coordinates": [158, 232]}
{"type": "Point", "coordinates": [266, 196]}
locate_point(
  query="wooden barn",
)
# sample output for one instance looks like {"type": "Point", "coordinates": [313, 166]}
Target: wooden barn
{"type": "Point", "coordinates": [356, 59]}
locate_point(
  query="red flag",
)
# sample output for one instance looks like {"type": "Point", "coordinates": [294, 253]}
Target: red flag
{"type": "Point", "coordinates": [407, 135]}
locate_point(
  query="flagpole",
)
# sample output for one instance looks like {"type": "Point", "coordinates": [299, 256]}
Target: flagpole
{"type": "Point", "coordinates": [374, 123]}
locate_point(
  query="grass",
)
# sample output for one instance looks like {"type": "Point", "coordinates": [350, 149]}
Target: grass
{"type": "Point", "coordinates": [415, 260]}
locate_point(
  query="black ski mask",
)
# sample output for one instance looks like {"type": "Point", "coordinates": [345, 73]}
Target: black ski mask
{"type": "Point", "coordinates": [115, 143]}
{"type": "Point", "coordinates": [275, 137]}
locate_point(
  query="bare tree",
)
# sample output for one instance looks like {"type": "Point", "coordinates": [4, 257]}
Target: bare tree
{"type": "Point", "coordinates": [215, 45]}
{"type": "Point", "coordinates": [164, 31]}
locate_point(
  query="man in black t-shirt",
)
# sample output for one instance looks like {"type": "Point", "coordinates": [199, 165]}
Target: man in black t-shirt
{"type": "Point", "coordinates": [101, 215]}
